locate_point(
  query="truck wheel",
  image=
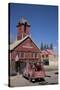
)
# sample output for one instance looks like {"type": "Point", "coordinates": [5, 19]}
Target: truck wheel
{"type": "Point", "coordinates": [31, 80]}
{"type": "Point", "coordinates": [42, 79]}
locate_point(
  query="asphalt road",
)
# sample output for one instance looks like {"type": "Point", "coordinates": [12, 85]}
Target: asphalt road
{"type": "Point", "coordinates": [18, 80]}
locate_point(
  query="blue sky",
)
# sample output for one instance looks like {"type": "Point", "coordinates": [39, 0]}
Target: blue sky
{"type": "Point", "coordinates": [43, 20]}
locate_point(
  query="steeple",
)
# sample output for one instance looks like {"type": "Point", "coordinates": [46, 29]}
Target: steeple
{"type": "Point", "coordinates": [23, 28]}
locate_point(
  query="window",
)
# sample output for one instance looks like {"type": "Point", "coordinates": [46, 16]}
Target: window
{"type": "Point", "coordinates": [46, 61]}
{"type": "Point", "coordinates": [37, 55]}
{"type": "Point", "coordinates": [22, 54]}
{"type": "Point", "coordinates": [46, 56]}
{"type": "Point", "coordinates": [18, 53]}
{"type": "Point", "coordinates": [38, 67]}
{"type": "Point", "coordinates": [43, 56]}
{"type": "Point", "coordinates": [33, 55]}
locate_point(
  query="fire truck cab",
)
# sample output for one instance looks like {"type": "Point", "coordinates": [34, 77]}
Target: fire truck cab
{"type": "Point", "coordinates": [34, 71]}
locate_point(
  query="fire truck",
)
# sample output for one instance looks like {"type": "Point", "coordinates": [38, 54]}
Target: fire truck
{"type": "Point", "coordinates": [34, 71]}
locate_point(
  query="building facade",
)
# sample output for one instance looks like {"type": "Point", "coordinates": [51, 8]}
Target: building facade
{"type": "Point", "coordinates": [24, 49]}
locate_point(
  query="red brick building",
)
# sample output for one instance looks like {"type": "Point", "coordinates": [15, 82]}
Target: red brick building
{"type": "Point", "coordinates": [23, 49]}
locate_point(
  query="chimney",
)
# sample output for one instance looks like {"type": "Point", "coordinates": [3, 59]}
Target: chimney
{"type": "Point", "coordinates": [23, 28]}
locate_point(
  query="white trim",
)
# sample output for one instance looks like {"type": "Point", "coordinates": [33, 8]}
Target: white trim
{"type": "Point", "coordinates": [27, 46]}
{"type": "Point", "coordinates": [16, 58]}
{"type": "Point", "coordinates": [12, 46]}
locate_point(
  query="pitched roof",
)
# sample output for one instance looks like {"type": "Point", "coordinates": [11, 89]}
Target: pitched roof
{"type": "Point", "coordinates": [48, 51]}
{"type": "Point", "coordinates": [16, 43]}
{"type": "Point", "coordinates": [44, 52]}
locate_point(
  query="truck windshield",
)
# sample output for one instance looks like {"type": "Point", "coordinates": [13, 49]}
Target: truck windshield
{"type": "Point", "coordinates": [38, 67]}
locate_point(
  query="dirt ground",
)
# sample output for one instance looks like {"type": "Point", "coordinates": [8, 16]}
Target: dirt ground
{"type": "Point", "coordinates": [50, 79]}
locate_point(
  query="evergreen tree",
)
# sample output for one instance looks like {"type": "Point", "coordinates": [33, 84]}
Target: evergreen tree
{"type": "Point", "coordinates": [41, 46]}
{"type": "Point", "coordinates": [51, 46]}
{"type": "Point", "coordinates": [45, 47]}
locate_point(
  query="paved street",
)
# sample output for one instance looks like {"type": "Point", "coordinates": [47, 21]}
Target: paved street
{"type": "Point", "coordinates": [18, 80]}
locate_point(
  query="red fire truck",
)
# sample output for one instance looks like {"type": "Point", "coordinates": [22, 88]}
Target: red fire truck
{"type": "Point", "coordinates": [34, 71]}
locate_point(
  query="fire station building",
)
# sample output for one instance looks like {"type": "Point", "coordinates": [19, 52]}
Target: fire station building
{"type": "Point", "coordinates": [24, 49]}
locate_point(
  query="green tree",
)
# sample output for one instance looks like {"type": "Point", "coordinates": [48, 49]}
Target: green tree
{"type": "Point", "coordinates": [42, 46]}
{"type": "Point", "coordinates": [45, 47]}
{"type": "Point", "coordinates": [51, 46]}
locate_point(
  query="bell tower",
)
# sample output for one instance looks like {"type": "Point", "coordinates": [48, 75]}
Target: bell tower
{"type": "Point", "coordinates": [23, 28]}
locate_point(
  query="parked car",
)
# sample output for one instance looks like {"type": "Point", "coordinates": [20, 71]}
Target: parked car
{"type": "Point", "coordinates": [34, 71]}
